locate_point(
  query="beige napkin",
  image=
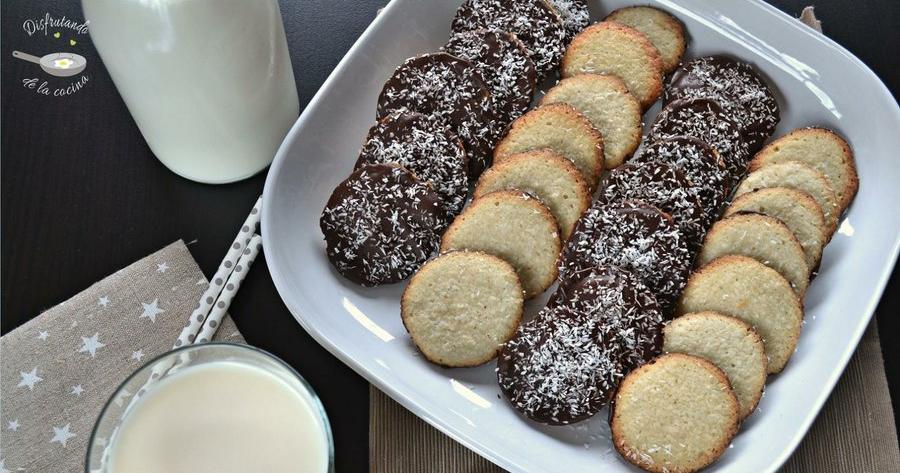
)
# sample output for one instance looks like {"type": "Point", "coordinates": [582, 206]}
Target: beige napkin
{"type": "Point", "coordinates": [57, 370]}
{"type": "Point", "coordinates": [855, 432]}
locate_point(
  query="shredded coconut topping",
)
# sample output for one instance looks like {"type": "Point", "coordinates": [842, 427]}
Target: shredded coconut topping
{"type": "Point", "coordinates": [505, 66]}
{"type": "Point", "coordinates": [700, 165]}
{"type": "Point", "coordinates": [533, 21]}
{"type": "Point", "coordinates": [558, 368]}
{"type": "Point", "coordinates": [450, 91]}
{"type": "Point", "coordinates": [663, 187]}
{"type": "Point", "coordinates": [574, 14]}
{"type": "Point", "coordinates": [637, 237]}
{"type": "Point", "coordinates": [737, 86]}
{"type": "Point", "coordinates": [381, 224]}
{"type": "Point", "coordinates": [705, 120]}
{"type": "Point", "coordinates": [427, 149]}
{"type": "Point", "coordinates": [625, 309]}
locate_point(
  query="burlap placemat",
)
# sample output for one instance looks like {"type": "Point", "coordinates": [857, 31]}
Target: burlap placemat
{"type": "Point", "coordinates": [855, 432]}
{"type": "Point", "coordinates": [57, 370]}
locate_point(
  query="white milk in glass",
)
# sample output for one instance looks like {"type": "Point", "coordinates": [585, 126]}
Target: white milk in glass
{"type": "Point", "coordinates": [221, 417]}
{"type": "Point", "coordinates": [208, 82]}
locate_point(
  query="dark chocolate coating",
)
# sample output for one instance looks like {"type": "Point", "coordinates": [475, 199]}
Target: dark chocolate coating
{"type": "Point", "coordinates": [450, 91]}
{"type": "Point", "coordinates": [428, 149]}
{"type": "Point", "coordinates": [381, 224]}
{"type": "Point", "coordinates": [559, 368]}
{"type": "Point", "coordinates": [534, 22]}
{"type": "Point", "coordinates": [629, 315]}
{"type": "Point", "coordinates": [700, 164]}
{"type": "Point", "coordinates": [574, 15]}
{"type": "Point", "coordinates": [661, 186]}
{"type": "Point", "coordinates": [637, 237]}
{"type": "Point", "coordinates": [705, 120]}
{"type": "Point", "coordinates": [505, 66]}
{"type": "Point", "coordinates": [737, 86]}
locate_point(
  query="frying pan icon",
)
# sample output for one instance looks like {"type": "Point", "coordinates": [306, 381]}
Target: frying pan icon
{"type": "Point", "coordinates": [56, 64]}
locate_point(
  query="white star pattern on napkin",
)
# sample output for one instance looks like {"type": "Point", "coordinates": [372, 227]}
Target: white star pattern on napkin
{"type": "Point", "coordinates": [91, 344]}
{"type": "Point", "coordinates": [62, 434]}
{"type": "Point", "coordinates": [29, 379]}
{"type": "Point", "coordinates": [162, 267]}
{"type": "Point", "coordinates": [71, 358]}
{"type": "Point", "coordinates": [151, 310]}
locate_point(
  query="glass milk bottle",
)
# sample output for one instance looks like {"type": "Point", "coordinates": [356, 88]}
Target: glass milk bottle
{"type": "Point", "coordinates": [208, 82]}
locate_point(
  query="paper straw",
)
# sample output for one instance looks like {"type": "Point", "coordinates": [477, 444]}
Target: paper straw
{"type": "Point", "coordinates": [189, 333]}
{"type": "Point", "coordinates": [214, 320]}
{"type": "Point", "coordinates": [217, 283]}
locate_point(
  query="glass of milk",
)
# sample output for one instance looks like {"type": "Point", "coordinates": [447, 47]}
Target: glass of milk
{"type": "Point", "coordinates": [223, 408]}
{"type": "Point", "coordinates": [208, 82]}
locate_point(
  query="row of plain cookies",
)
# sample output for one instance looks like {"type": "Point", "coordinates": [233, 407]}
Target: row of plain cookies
{"type": "Point", "coordinates": [741, 312]}
{"type": "Point", "coordinates": [444, 307]}
{"type": "Point", "coordinates": [438, 118]}
{"type": "Point", "coordinates": [769, 242]}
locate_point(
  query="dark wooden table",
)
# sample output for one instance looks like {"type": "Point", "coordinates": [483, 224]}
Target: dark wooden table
{"type": "Point", "coordinates": [83, 196]}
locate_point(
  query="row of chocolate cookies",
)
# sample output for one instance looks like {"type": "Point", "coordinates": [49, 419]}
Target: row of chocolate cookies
{"type": "Point", "coordinates": [413, 171]}
{"type": "Point", "coordinates": [716, 111]}
{"type": "Point", "coordinates": [439, 116]}
{"type": "Point", "coordinates": [740, 315]}
{"type": "Point", "coordinates": [772, 234]}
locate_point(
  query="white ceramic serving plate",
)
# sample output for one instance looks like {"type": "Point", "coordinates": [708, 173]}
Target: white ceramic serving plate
{"type": "Point", "coordinates": [820, 83]}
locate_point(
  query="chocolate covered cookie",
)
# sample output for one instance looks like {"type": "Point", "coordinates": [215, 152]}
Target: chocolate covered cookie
{"type": "Point", "coordinates": [705, 120]}
{"type": "Point", "coordinates": [574, 15]}
{"type": "Point", "coordinates": [559, 368]}
{"type": "Point", "coordinates": [637, 237]}
{"type": "Point", "coordinates": [662, 186]}
{"type": "Point", "coordinates": [450, 91]}
{"type": "Point", "coordinates": [699, 163]}
{"type": "Point", "coordinates": [429, 150]}
{"type": "Point", "coordinates": [737, 86]}
{"type": "Point", "coordinates": [534, 22]}
{"type": "Point", "coordinates": [629, 315]}
{"type": "Point", "coordinates": [505, 66]}
{"type": "Point", "coordinates": [381, 224]}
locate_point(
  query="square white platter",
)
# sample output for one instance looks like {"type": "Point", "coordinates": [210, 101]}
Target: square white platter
{"type": "Point", "coordinates": [819, 83]}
